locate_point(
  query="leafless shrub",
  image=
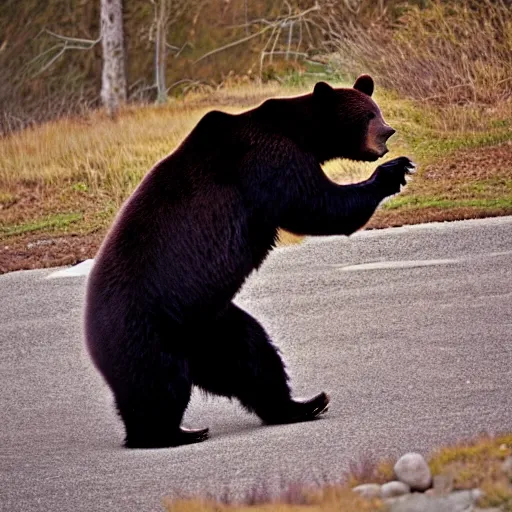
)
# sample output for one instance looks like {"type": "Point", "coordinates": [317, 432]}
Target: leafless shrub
{"type": "Point", "coordinates": [364, 469]}
{"type": "Point", "coordinates": [445, 51]}
{"type": "Point", "coordinates": [449, 52]}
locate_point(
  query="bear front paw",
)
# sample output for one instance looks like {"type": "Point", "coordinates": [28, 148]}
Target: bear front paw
{"type": "Point", "coordinates": [390, 176]}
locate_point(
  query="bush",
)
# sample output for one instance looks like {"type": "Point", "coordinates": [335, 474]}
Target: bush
{"type": "Point", "coordinates": [447, 52]}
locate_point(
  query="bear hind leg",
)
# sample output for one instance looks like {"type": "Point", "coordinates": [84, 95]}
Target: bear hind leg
{"type": "Point", "coordinates": [153, 405]}
{"type": "Point", "coordinates": [243, 363]}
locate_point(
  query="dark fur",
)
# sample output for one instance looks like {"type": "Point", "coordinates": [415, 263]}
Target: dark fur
{"type": "Point", "coordinates": [159, 317]}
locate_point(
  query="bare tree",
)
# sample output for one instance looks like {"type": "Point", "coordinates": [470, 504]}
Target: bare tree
{"type": "Point", "coordinates": [167, 13]}
{"type": "Point", "coordinates": [47, 58]}
{"type": "Point", "coordinates": [161, 20]}
{"type": "Point", "coordinates": [113, 83]}
{"type": "Point", "coordinates": [276, 27]}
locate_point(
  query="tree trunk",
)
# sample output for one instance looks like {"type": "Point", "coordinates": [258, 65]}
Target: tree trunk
{"type": "Point", "coordinates": [113, 80]}
{"type": "Point", "coordinates": [161, 51]}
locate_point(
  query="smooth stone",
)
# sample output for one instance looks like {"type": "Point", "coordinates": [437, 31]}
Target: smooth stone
{"type": "Point", "coordinates": [412, 469]}
{"type": "Point", "coordinates": [394, 488]}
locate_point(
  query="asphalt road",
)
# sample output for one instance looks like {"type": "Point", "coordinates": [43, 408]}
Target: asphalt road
{"type": "Point", "coordinates": [408, 329]}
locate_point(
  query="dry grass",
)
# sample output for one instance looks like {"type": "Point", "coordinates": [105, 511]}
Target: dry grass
{"type": "Point", "coordinates": [104, 156]}
{"type": "Point", "coordinates": [108, 157]}
{"type": "Point", "coordinates": [328, 499]}
{"type": "Point", "coordinates": [478, 464]}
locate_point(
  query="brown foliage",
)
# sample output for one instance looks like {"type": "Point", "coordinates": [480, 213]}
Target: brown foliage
{"type": "Point", "coordinates": [448, 52]}
{"type": "Point", "coordinates": [437, 50]}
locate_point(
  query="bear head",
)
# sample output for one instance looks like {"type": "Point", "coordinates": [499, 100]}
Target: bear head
{"type": "Point", "coordinates": [348, 123]}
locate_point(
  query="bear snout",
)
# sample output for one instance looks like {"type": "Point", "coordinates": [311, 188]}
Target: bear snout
{"type": "Point", "coordinates": [388, 132]}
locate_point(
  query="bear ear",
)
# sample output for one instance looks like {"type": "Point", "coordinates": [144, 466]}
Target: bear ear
{"type": "Point", "coordinates": [323, 90]}
{"type": "Point", "coordinates": [364, 83]}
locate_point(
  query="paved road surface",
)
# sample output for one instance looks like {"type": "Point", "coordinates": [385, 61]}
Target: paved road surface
{"type": "Point", "coordinates": [409, 329]}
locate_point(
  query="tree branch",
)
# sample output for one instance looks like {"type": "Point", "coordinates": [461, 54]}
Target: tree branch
{"type": "Point", "coordinates": [89, 42]}
{"type": "Point", "coordinates": [280, 21]}
{"type": "Point", "coordinates": [65, 43]}
{"type": "Point", "coordinates": [233, 43]}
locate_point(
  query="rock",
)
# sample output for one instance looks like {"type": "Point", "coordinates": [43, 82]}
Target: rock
{"type": "Point", "coordinates": [394, 488]}
{"type": "Point", "coordinates": [507, 465]}
{"type": "Point", "coordinates": [477, 494]}
{"type": "Point", "coordinates": [460, 501]}
{"type": "Point", "coordinates": [39, 243]}
{"type": "Point", "coordinates": [413, 470]}
{"type": "Point", "coordinates": [368, 490]}
{"type": "Point", "coordinates": [442, 484]}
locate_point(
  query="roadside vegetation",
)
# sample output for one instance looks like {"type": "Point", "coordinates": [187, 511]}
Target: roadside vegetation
{"type": "Point", "coordinates": [476, 464]}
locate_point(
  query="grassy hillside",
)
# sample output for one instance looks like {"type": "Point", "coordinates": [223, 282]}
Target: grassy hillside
{"type": "Point", "coordinates": [61, 183]}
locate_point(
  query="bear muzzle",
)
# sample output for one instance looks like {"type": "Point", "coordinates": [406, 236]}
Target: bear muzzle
{"type": "Point", "coordinates": [377, 146]}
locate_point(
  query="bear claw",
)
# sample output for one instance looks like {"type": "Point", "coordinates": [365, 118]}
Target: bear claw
{"type": "Point", "coordinates": [189, 436]}
{"type": "Point", "coordinates": [391, 175]}
{"type": "Point", "coordinates": [411, 169]}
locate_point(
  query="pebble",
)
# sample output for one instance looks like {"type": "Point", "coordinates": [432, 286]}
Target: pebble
{"type": "Point", "coordinates": [368, 490]}
{"type": "Point", "coordinates": [413, 470]}
{"type": "Point", "coordinates": [394, 488]}
{"type": "Point", "coordinates": [435, 494]}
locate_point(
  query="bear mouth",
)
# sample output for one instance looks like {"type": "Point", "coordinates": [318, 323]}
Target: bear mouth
{"type": "Point", "coordinates": [373, 156]}
{"type": "Point", "coordinates": [368, 155]}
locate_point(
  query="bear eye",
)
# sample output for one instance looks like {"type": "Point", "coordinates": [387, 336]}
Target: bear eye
{"type": "Point", "coordinates": [371, 116]}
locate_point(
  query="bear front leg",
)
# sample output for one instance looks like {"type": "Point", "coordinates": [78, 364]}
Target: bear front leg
{"type": "Point", "coordinates": [331, 209]}
{"type": "Point", "coordinates": [236, 359]}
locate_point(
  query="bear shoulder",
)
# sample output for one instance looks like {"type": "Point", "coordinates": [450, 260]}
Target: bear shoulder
{"type": "Point", "coordinates": [214, 123]}
{"type": "Point", "coordinates": [212, 132]}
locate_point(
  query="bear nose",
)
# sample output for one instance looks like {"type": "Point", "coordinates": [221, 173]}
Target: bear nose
{"type": "Point", "coordinates": [389, 131]}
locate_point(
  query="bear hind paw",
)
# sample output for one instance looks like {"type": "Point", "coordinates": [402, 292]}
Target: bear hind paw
{"type": "Point", "coordinates": [301, 410]}
{"type": "Point", "coordinates": [182, 437]}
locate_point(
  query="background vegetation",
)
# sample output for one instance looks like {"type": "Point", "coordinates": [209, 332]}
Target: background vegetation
{"type": "Point", "coordinates": [475, 464]}
{"type": "Point", "coordinates": [443, 72]}
{"type": "Point", "coordinates": [432, 50]}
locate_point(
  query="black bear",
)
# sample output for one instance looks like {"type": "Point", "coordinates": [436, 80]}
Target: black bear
{"type": "Point", "coordinates": [159, 316]}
